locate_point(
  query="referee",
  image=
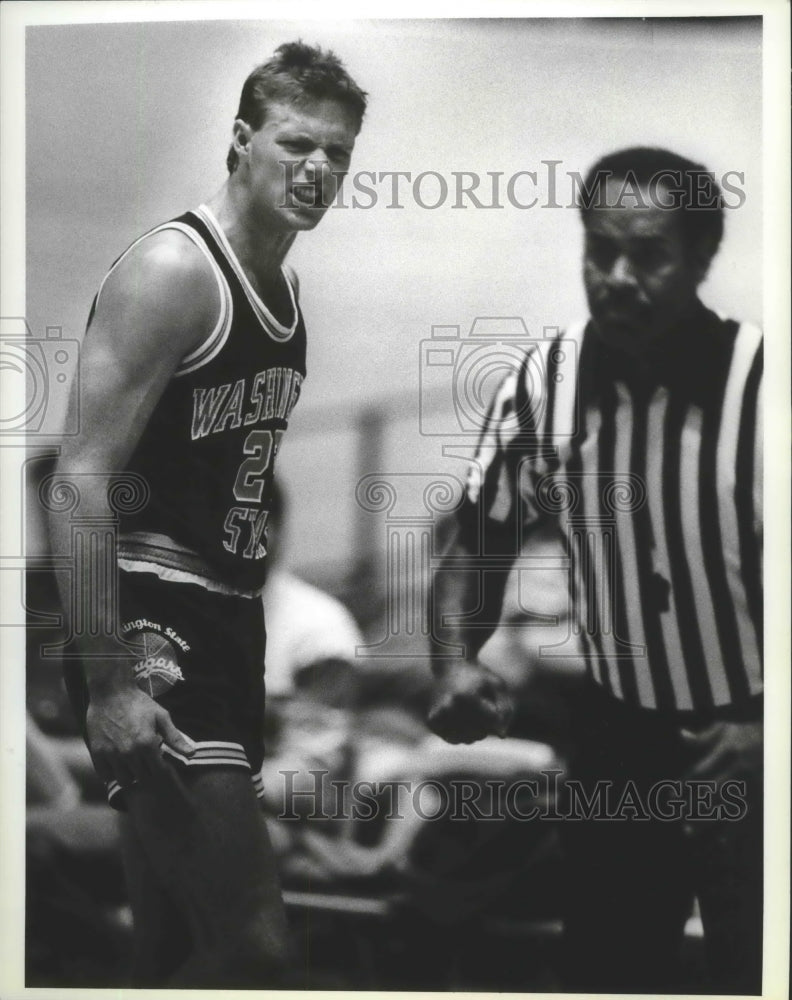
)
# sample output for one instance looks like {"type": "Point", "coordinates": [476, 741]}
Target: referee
{"type": "Point", "coordinates": [643, 445]}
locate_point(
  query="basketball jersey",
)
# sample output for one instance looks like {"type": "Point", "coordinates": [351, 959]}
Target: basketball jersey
{"type": "Point", "coordinates": [208, 451]}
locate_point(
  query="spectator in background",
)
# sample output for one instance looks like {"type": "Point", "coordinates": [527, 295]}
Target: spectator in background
{"type": "Point", "coordinates": [535, 648]}
{"type": "Point", "coordinates": [312, 690]}
{"type": "Point", "coordinates": [77, 926]}
{"type": "Point", "coordinates": [311, 636]}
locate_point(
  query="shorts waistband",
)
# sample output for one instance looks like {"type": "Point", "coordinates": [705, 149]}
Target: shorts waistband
{"type": "Point", "coordinates": [151, 552]}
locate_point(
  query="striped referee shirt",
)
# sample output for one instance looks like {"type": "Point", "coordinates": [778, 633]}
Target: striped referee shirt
{"type": "Point", "coordinates": [655, 479]}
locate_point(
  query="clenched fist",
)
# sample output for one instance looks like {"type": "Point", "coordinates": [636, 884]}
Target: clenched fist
{"type": "Point", "coordinates": [470, 702]}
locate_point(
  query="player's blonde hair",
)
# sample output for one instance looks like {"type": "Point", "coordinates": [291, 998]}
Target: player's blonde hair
{"type": "Point", "coordinates": [295, 74]}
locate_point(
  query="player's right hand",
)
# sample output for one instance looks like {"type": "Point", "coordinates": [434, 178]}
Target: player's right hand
{"type": "Point", "coordinates": [126, 730]}
{"type": "Point", "coordinates": [470, 702]}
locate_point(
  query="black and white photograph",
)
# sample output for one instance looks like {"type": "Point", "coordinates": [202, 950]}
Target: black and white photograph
{"type": "Point", "coordinates": [392, 573]}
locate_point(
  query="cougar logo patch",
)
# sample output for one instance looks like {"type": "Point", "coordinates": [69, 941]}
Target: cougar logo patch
{"type": "Point", "coordinates": [158, 669]}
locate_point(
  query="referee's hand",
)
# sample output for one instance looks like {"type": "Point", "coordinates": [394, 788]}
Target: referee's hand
{"type": "Point", "coordinates": [470, 702]}
{"type": "Point", "coordinates": [725, 751]}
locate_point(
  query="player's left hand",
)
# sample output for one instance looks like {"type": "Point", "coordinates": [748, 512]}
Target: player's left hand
{"type": "Point", "coordinates": [726, 751]}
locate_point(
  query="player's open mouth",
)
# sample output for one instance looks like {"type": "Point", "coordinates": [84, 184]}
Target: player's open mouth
{"type": "Point", "coordinates": [307, 195]}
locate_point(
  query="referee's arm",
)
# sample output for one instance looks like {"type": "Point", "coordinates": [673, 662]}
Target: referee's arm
{"type": "Point", "coordinates": [470, 701]}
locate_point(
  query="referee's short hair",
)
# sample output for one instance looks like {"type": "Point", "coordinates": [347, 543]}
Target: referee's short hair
{"type": "Point", "coordinates": [295, 74]}
{"type": "Point", "coordinates": [690, 189]}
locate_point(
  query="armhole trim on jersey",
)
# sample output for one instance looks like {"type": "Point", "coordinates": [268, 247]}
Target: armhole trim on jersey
{"type": "Point", "coordinates": [214, 342]}
{"type": "Point", "coordinates": [271, 325]}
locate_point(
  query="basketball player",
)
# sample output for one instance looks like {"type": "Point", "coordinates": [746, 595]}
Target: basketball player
{"type": "Point", "coordinates": [192, 363]}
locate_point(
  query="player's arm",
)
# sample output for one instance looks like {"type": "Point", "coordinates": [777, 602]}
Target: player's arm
{"type": "Point", "coordinates": [156, 306]}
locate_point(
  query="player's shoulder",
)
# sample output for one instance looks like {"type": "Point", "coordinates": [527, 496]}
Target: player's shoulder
{"type": "Point", "coordinates": [165, 277]}
{"type": "Point", "coordinates": [165, 258]}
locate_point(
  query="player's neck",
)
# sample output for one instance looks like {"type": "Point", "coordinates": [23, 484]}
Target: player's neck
{"type": "Point", "coordinates": [260, 250]}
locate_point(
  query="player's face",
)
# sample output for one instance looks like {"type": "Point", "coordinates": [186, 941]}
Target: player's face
{"type": "Point", "coordinates": [297, 161]}
{"type": "Point", "coordinates": [640, 274]}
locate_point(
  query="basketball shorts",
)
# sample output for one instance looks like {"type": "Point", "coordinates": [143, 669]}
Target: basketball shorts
{"type": "Point", "coordinates": [200, 655]}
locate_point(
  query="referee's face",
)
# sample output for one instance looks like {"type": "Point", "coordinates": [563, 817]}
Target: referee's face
{"type": "Point", "coordinates": [639, 272]}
